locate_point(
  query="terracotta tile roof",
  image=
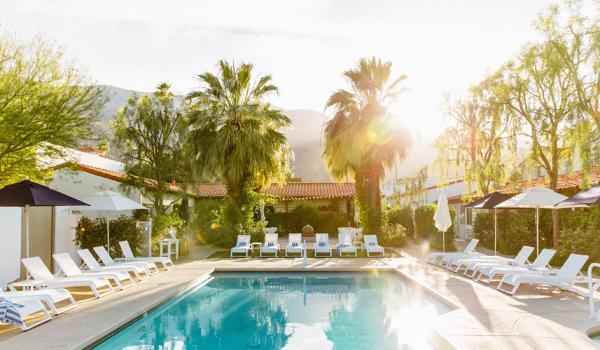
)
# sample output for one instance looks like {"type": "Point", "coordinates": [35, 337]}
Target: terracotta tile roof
{"type": "Point", "coordinates": [565, 182]}
{"type": "Point", "coordinates": [573, 181]}
{"type": "Point", "coordinates": [288, 191]}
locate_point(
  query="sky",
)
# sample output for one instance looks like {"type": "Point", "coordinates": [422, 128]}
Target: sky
{"type": "Point", "coordinates": [442, 46]}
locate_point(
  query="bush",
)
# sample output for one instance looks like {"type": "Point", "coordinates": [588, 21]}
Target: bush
{"type": "Point", "coordinates": [92, 233]}
{"type": "Point", "coordinates": [579, 234]}
{"type": "Point", "coordinates": [393, 235]}
{"type": "Point", "coordinates": [307, 214]}
{"type": "Point", "coordinates": [426, 228]}
{"type": "Point", "coordinates": [402, 216]}
{"type": "Point", "coordinates": [515, 229]}
{"type": "Point", "coordinates": [161, 225]}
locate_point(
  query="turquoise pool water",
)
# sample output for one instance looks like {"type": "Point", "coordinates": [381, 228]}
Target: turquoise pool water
{"type": "Point", "coordinates": [266, 311]}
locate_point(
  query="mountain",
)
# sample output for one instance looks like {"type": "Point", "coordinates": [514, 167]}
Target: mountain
{"type": "Point", "coordinates": [304, 136]}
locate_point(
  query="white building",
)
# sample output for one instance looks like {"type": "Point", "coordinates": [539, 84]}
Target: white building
{"type": "Point", "coordinates": [79, 175]}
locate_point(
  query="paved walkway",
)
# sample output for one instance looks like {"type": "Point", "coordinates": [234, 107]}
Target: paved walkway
{"type": "Point", "coordinates": [485, 318]}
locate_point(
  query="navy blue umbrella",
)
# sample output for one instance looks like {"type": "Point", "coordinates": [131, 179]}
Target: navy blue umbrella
{"type": "Point", "coordinates": [27, 194]}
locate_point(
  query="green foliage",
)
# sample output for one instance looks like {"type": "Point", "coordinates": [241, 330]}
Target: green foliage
{"type": "Point", "coordinates": [579, 234]}
{"type": "Point", "coordinates": [515, 229]}
{"type": "Point", "coordinates": [45, 104]}
{"type": "Point", "coordinates": [307, 214]}
{"type": "Point", "coordinates": [358, 138]}
{"type": "Point", "coordinates": [161, 225]}
{"type": "Point", "coordinates": [149, 133]}
{"type": "Point", "coordinates": [402, 215]}
{"type": "Point", "coordinates": [426, 228]}
{"type": "Point", "coordinates": [91, 233]}
{"type": "Point", "coordinates": [237, 136]}
{"type": "Point", "coordinates": [393, 235]}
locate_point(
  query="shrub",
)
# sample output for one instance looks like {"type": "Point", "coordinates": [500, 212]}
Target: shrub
{"type": "Point", "coordinates": [307, 214]}
{"type": "Point", "coordinates": [426, 228]}
{"type": "Point", "coordinates": [393, 235]}
{"type": "Point", "coordinates": [92, 233]}
{"type": "Point", "coordinates": [515, 229]}
{"type": "Point", "coordinates": [402, 216]}
{"type": "Point", "coordinates": [161, 225]}
{"type": "Point", "coordinates": [579, 234]}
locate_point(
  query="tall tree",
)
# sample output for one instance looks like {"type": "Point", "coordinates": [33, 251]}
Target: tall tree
{"type": "Point", "coordinates": [45, 105]}
{"type": "Point", "coordinates": [477, 141]}
{"type": "Point", "coordinates": [539, 91]}
{"type": "Point", "coordinates": [577, 43]}
{"type": "Point", "coordinates": [149, 133]}
{"type": "Point", "coordinates": [237, 136]}
{"type": "Point", "coordinates": [358, 138]}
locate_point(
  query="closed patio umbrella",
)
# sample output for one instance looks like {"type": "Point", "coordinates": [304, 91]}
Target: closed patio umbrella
{"type": "Point", "coordinates": [489, 201]}
{"type": "Point", "coordinates": [534, 198]}
{"type": "Point", "coordinates": [441, 218]}
{"type": "Point", "coordinates": [106, 202]}
{"type": "Point", "coordinates": [27, 194]}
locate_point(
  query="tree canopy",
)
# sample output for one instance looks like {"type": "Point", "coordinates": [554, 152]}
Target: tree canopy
{"type": "Point", "coordinates": [45, 104]}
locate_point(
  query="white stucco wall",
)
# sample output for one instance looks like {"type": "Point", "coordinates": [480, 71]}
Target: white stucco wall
{"type": "Point", "coordinates": [65, 224]}
{"type": "Point", "coordinates": [10, 249]}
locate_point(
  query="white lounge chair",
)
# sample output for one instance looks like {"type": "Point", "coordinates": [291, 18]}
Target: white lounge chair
{"type": "Point", "coordinates": [93, 266]}
{"type": "Point", "coordinates": [345, 243]}
{"type": "Point", "coordinates": [322, 245]}
{"type": "Point", "coordinates": [26, 307]}
{"type": "Point", "coordinates": [469, 250]}
{"type": "Point", "coordinates": [49, 296]}
{"type": "Point", "coordinates": [455, 264]}
{"type": "Point", "coordinates": [295, 244]}
{"type": "Point", "coordinates": [38, 270]}
{"type": "Point", "coordinates": [271, 245]}
{"type": "Point", "coordinates": [70, 269]}
{"type": "Point", "coordinates": [102, 253]}
{"type": "Point", "coordinates": [540, 264]}
{"type": "Point", "coordinates": [242, 246]}
{"type": "Point", "coordinates": [372, 246]}
{"type": "Point", "coordinates": [128, 256]}
{"type": "Point", "coordinates": [563, 279]}
{"type": "Point", "coordinates": [474, 266]}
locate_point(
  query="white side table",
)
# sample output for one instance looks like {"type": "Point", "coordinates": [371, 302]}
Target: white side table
{"type": "Point", "coordinates": [255, 245]}
{"type": "Point", "coordinates": [168, 243]}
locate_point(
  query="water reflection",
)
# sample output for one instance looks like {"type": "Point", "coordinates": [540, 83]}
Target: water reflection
{"type": "Point", "coordinates": [277, 311]}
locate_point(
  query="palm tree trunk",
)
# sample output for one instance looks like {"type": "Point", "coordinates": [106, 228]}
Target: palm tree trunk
{"type": "Point", "coordinates": [374, 206]}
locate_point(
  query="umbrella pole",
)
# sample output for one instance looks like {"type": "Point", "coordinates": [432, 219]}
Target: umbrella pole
{"type": "Point", "coordinates": [26, 209]}
{"type": "Point", "coordinates": [444, 241]}
{"type": "Point", "coordinates": [107, 235]}
{"type": "Point", "coordinates": [495, 231]}
{"type": "Point", "coordinates": [537, 231]}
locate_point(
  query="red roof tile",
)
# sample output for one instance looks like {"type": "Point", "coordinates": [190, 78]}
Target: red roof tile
{"type": "Point", "coordinates": [288, 191]}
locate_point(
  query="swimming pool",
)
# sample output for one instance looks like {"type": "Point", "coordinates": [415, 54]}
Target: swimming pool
{"type": "Point", "coordinates": [288, 311]}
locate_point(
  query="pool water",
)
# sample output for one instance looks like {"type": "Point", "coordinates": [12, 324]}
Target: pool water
{"type": "Point", "coordinates": [267, 311]}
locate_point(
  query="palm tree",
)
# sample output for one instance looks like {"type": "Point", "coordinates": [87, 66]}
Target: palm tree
{"type": "Point", "coordinates": [358, 138]}
{"type": "Point", "coordinates": [237, 136]}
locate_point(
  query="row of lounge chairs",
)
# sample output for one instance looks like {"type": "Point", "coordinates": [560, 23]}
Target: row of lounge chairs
{"type": "Point", "coordinates": [512, 273]}
{"type": "Point", "coordinates": [44, 291]}
{"type": "Point", "coordinates": [295, 245]}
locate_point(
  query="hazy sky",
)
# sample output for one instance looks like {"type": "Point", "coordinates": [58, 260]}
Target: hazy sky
{"type": "Point", "coordinates": [306, 45]}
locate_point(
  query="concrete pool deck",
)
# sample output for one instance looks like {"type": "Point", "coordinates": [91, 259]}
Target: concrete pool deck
{"type": "Point", "coordinates": [484, 318]}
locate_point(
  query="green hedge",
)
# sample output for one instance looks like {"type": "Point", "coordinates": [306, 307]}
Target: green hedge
{"type": "Point", "coordinates": [321, 220]}
{"type": "Point", "coordinates": [425, 225]}
{"type": "Point", "coordinates": [578, 231]}
{"type": "Point", "coordinates": [92, 233]}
